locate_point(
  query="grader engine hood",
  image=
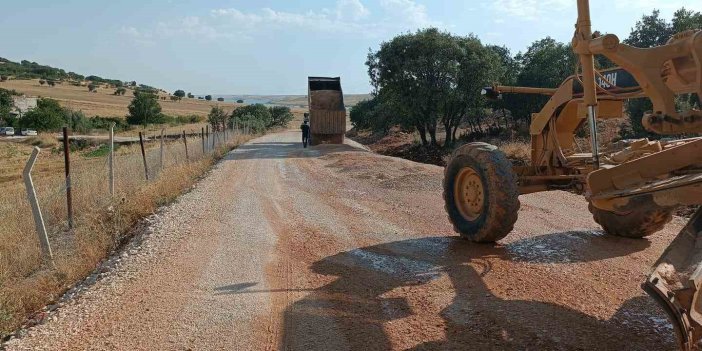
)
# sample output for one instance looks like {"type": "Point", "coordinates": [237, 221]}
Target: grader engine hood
{"type": "Point", "coordinates": [676, 282]}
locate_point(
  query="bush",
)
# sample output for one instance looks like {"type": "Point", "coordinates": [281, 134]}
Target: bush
{"type": "Point", "coordinates": [257, 114]}
{"type": "Point", "coordinates": [208, 97]}
{"type": "Point", "coordinates": [48, 116]}
{"type": "Point", "coordinates": [98, 122]}
{"type": "Point", "coordinates": [220, 99]}
{"type": "Point", "coordinates": [189, 119]}
{"type": "Point", "coordinates": [144, 109]}
{"type": "Point", "coordinates": [240, 101]}
{"type": "Point", "coordinates": [280, 115]}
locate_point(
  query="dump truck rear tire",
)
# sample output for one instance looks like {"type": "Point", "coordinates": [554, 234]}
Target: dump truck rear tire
{"type": "Point", "coordinates": [481, 195]}
{"type": "Point", "coordinates": [642, 218]}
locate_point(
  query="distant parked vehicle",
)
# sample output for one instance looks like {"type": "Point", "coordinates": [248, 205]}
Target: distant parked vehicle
{"type": "Point", "coordinates": [29, 132]}
{"type": "Point", "coordinates": [7, 131]}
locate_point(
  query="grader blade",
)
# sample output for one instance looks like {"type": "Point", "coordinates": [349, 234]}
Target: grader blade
{"type": "Point", "coordinates": [676, 282]}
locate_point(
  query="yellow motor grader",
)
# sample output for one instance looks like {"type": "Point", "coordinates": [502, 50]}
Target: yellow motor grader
{"type": "Point", "coordinates": [633, 191]}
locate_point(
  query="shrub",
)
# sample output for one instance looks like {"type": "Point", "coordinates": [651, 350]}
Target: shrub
{"type": "Point", "coordinates": [257, 112]}
{"type": "Point", "coordinates": [280, 116]}
{"type": "Point", "coordinates": [47, 116]}
{"type": "Point", "coordinates": [208, 97]}
{"type": "Point", "coordinates": [240, 101]}
{"type": "Point", "coordinates": [144, 109]}
{"type": "Point", "coordinates": [220, 99]}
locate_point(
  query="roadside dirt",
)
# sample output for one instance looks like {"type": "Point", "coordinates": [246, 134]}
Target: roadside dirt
{"type": "Point", "coordinates": [336, 248]}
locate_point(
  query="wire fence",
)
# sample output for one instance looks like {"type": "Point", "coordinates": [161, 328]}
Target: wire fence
{"type": "Point", "coordinates": [145, 175]}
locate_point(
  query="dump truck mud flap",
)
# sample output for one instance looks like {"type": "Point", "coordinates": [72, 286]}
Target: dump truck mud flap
{"type": "Point", "coordinates": [676, 282]}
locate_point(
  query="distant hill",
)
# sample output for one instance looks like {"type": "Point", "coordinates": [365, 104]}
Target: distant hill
{"type": "Point", "coordinates": [289, 100]}
{"type": "Point", "coordinates": [32, 70]}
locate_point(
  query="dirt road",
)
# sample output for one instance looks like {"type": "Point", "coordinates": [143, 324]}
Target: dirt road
{"type": "Point", "coordinates": [335, 248]}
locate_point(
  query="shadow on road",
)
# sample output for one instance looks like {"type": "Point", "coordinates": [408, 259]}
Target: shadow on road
{"type": "Point", "coordinates": [352, 312]}
{"type": "Point", "coordinates": [283, 150]}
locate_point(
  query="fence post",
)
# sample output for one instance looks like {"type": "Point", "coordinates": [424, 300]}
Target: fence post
{"type": "Point", "coordinates": [67, 166]}
{"type": "Point", "coordinates": [202, 137]}
{"type": "Point", "coordinates": [161, 157]}
{"type": "Point", "coordinates": [207, 133]}
{"type": "Point", "coordinates": [185, 141]}
{"type": "Point", "coordinates": [143, 156]}
{"type": "Point", "coordinates": [214, 138]}
{"type": "Point", "coordinates": [36, 210]}
{"type": "Point", "coordinates": [112, 160]}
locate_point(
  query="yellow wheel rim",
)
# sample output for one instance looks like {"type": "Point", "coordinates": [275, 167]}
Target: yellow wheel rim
{"type": "Point", "coordinates": [468, 193]}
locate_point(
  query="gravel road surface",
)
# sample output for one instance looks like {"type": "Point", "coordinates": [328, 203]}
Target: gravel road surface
{"type": "Point", "coordinates": [336, 248]}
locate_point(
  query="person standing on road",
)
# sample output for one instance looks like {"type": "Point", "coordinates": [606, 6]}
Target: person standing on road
{"type": "Point", "coordinates": [305, 127]}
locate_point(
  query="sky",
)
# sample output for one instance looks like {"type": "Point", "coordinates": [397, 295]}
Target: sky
{"type": "Point", "coordinates": [269, 47]}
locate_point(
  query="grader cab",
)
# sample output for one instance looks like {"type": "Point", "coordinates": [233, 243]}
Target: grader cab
{"type": "Point", "coordinates": [633, 191]}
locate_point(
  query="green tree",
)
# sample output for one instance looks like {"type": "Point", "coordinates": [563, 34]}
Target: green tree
{"type": "Point", "coordinates": [477, 67]}
{"type": "Point", "coordinates": [217, 118]}
{"type": "Point", "coordinates": [47, 116]}
{"type": "Point", "coordinates": [191, 96]}
{"type": "Point", "coordinates": [92, 87]}
{"type": "Point", "coordinates": [42, 82]}
{"type": "Point", "coordinates": [650, 31]}
{"type": "Point", "coordinates": [257, 116]}
{"type": "Point", "coordinates": [179, 93]}
{"type": "Point", "coordinates": [120, 91]}
{"type": "Point", "coordinates": [144, 109]}
{"type": "Point", "coordinates": [280, 116]}
{"type": "Point", "coordinates": [546, 63]}
{"type": "Point", "coordinates": [208, 97]}
{"type": "Point", "coordinates": [373, 114]}
{"type": "Point", "coordinates": [6, 103]}
{"type": "Point", "coordinates": [414, 71]}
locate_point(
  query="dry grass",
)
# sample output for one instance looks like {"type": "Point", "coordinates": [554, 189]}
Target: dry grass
{"type": "Point", "coordinates": [519, 152]}
{"type": "Point", "coordinates": [101, 221]}
{"type": "Point", "coordinates": [43, 141]}
{"type": "Point", "coordinates": [103, 102]}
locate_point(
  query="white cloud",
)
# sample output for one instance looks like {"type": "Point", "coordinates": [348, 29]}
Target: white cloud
{"type": "Point", "coordinates": [409, 11]}
{"type": "Point", "coordinates": [529, 10]}
{"type": "Point", "coordinates": [352, 10]}
{"type": "Point", "coordinates": [347, 16]}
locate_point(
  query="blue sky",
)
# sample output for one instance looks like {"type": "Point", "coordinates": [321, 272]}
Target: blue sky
{"type": "Point", "coordinates": [269, 46]}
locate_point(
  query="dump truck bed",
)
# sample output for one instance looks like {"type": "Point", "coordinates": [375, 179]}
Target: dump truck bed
{"type": "Point", "coordinates": [327, 110]}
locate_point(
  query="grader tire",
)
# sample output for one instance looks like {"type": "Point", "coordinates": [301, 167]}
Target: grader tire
{"type": "Point", "coordinates": [642, 218]}
{"type": "Point", "coordinates": [481, 195]}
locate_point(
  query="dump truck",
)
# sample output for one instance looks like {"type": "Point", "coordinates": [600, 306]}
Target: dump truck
{"type": "Point", "coordinates": [632, 191]}
{"type": "Point", "coordinates": [327, 110]}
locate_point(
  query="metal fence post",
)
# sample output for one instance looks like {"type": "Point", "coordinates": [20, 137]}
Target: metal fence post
{"type": "Point", "coordinates": [207, 133]}
{"type": "Point", "coordinates": [112, 160]}
{"type": "Point", "coordinates": [36, 210]}
{"type": "Point", "coordinates": [67, 166]}
{"type": "Point", "coordinates": [143, 156]}
{"type": "Point", "coordinates": [161, 157]}
{"type": "Point", "coordinates": [202, 137]}
{"type": "Point", "coordinates": [185, 141]}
